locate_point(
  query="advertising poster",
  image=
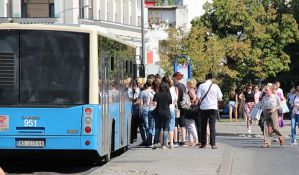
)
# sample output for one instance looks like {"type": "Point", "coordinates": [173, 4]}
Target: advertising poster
{"type": "Point", "coordinates": [183, 69]}
{"type": "Point", "coordinates": [182, 64]}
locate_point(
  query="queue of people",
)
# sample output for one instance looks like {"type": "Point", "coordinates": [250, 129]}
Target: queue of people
{"type": "Point", "coordinates": [158, 101]}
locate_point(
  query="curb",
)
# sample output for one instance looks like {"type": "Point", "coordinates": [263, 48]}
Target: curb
{"type": "Point", "coordinates": [240, 135]}
{"type": "Point", "coordinates": [245, 135]}
{"type": "Point", "coordinates": [227, 161]}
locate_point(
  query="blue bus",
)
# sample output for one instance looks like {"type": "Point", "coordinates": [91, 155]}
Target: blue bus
{"type": "Point", "coordinates": [64, 88]}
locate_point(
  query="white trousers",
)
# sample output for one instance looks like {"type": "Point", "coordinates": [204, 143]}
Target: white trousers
{"type": "Point", "coordinates": [191, 128]}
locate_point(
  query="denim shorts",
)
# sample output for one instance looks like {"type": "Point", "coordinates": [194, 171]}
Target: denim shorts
{"type": "Point", "coordinates": [232, 103]}
{"type": "Point", "coordinates": [172, 120]}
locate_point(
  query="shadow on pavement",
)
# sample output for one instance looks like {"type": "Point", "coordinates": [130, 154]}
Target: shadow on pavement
{"type": "Point", "coordinates": [32, 162]}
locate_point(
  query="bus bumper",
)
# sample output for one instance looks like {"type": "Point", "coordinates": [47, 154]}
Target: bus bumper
{"type": "Point", "coordinates": [49, 142]}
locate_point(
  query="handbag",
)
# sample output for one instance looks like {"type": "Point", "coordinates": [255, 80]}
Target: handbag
{"type": "Point", "coordinates": [280, 122]}
{"type": "Point", "coordinates": [177, 112]}
{"type": "Point", "coordinates": [284, 108]}
{"type": "Point", "coordinates": [256, 112]}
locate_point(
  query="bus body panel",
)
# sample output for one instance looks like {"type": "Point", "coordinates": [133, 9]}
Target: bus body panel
{"type": "Point", "coordinates": [59, 128]}
{"type": "Point", "coordinates": [114, 115]}
{"type": "Point", "coordinates": [43, 121]}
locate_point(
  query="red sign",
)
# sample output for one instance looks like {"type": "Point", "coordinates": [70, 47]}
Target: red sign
{"type": "Point", "coordinates": [150, 58]}
{"type": "Point", "coordinates": [149, 3]}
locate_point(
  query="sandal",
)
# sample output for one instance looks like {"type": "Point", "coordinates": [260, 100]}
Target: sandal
{"type": "Point", "coordinates": [266, 146]}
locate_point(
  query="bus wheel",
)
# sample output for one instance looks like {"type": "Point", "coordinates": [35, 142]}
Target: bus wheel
{"type": "Point", "coordinates": [107, 157]}
{"type": "Point", "coordinates": [124, 149]}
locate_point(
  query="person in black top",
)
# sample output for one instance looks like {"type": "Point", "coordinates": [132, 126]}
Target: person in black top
{"type": "Point", "coordinates": [249, 104]}
{"type": "Point", "coordinates": [162, 100]}
{"type": "Point", "coordinates": [177, 77]}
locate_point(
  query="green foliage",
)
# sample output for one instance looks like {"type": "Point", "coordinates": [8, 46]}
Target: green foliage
{"type": "Point", "coordinates": [238, 40]}
{"type": "Point", "coordinates": [261, 30]}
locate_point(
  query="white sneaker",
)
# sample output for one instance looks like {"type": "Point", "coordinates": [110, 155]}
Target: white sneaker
{"type": "Point", "coordinates": [164, 147]}
{"type": "Point", "coordinates": [294, 143]}
{"type": "Point", "coordinates": [249, 131]}
{"type": "Point", "coordinates": [171, 146]}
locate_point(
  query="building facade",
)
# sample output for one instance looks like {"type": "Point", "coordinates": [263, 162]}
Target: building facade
{"type": "Point", "coordinates": [121, 18]}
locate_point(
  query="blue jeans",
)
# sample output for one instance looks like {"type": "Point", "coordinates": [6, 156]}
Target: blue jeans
{"type": "Point", "coordinates": [145, 123]}
{"type": "Point", "coordinates": [294, 119]}
{"type": "Point", "coordinates": [151, 126]}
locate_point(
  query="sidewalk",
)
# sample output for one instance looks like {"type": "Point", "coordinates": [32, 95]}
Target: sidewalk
{"type": "Point", "coordinates": [226, 128]}
{"type": "Point", "coordinates": [183, 160]}
{"type": "Point", "coordinates": [178, 161]}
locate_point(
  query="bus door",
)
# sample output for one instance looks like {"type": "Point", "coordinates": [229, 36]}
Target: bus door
{"type": "Point", "coordinates": [105, 104]}
{"type": "Point", "coordinates": [122, 102]}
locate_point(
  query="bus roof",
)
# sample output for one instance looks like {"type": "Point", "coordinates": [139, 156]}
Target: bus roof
{"type": "Point", "coordinates": [67, 28]}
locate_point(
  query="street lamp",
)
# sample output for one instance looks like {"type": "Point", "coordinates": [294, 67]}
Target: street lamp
{"type": "Point", "coordinates": [142, 34]}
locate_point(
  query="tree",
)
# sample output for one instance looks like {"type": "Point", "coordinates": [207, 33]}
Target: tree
{"type": "Point", "coordinates": [205, 50]}
{"type": "Point", "coordinates": [291, 77]}
{"type": "Point", "coordinates": [255, 34]}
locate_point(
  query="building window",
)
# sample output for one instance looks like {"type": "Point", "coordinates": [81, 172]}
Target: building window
{"type": "Point", "coordinates": [37, 9]}
{"type": "Point", "coordinates": [81, 9]}
{"type": "Point", "coordinates": [51, 10]}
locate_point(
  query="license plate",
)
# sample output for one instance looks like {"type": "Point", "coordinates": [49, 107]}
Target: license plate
{"type": "Point", "coordinates": [30, 143]}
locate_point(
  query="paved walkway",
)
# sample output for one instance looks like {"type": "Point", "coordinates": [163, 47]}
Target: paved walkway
{"type": "Point", "coordinates": [183, 160]}
{"type": "Point", "coordinates": [225, 128]}
{"type": "Point", "coordinates": [178, 161]}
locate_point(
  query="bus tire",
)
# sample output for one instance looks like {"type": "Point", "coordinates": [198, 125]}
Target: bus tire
{"type": "Point", "coordinates": [107, 157]}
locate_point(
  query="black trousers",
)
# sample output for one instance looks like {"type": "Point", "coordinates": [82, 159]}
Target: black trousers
{"type": "Point", "coordinates": [208, 115]}
{"type": "Point", "coordinates": [134, 125]}
{"type": "Point", "coordinates": [198, 125]}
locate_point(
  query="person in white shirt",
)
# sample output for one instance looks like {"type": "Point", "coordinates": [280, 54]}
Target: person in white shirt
{"type": "Point", "coordinates": [208, 100]}
{"type": "Point", "coordinates": [279, 90]}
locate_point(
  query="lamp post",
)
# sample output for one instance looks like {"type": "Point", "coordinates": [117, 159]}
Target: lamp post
{"type": "Point", "coordinates": [142, 34]}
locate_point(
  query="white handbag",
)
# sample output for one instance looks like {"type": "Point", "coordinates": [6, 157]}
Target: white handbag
{"type": "Point", "coordinates": [284, 108]}
{"type": "Point", "coordinates": [256, 112]}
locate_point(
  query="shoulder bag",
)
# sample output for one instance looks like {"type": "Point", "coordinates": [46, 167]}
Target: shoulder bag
{"type": "Point", "coordinates": [177, 112]}
{"type": "Point", "coordinates": [205, 95]}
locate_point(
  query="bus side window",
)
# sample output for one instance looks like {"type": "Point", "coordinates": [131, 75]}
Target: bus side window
{"type": "Point", "coordinates": [131, 68]}
{"type": "Point", "coordinates": [127, 67]}
{"type": "Point", "coordinates": [112, 63]}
